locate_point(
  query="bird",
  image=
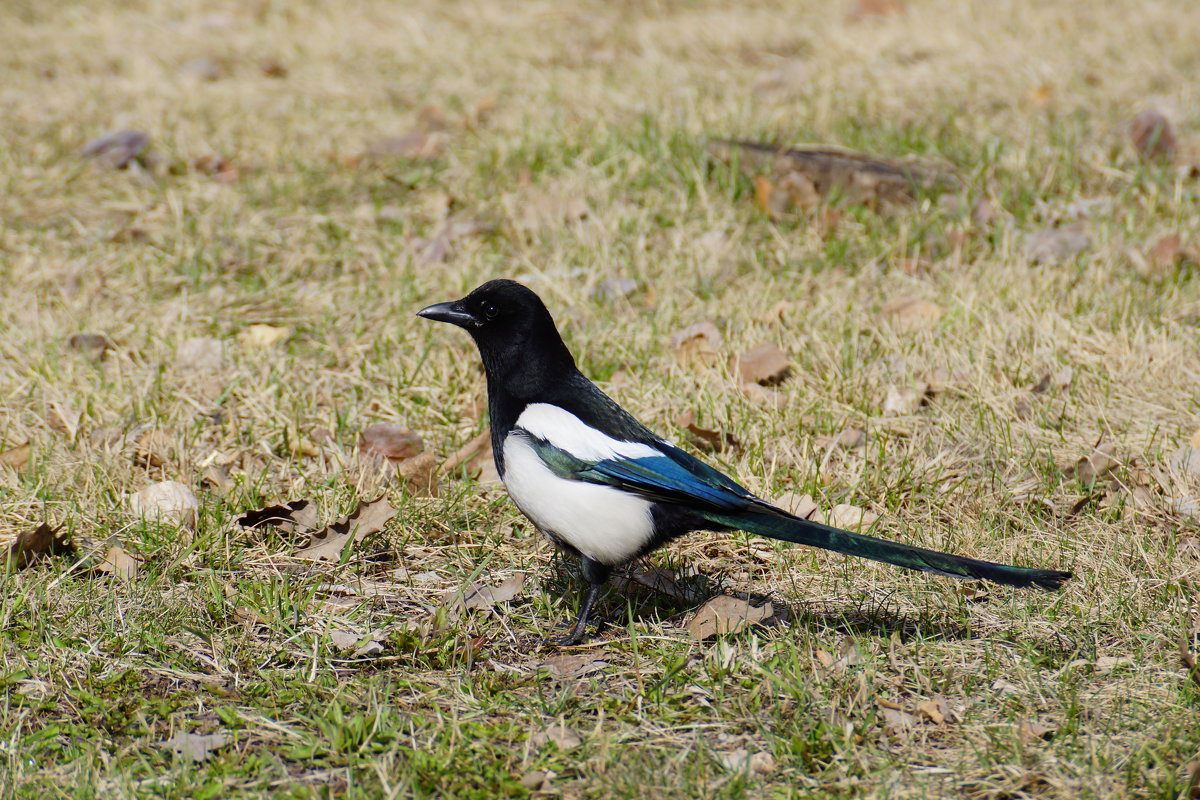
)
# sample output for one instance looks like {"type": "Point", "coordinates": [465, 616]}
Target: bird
{"type": "Point", "coordinates": [604, 487]}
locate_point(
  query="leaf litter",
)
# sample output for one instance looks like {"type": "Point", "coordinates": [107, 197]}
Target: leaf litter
{"type": "Point", "coordinates": [327, 544]}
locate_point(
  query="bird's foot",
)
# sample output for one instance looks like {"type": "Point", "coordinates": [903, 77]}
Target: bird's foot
{"type": "Point", "coordinates": [577, 635]}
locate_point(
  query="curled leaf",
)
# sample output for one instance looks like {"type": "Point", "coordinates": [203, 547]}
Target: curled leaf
{"type": "Point", "coordinates": [369, 518]}
{"type": "Point", "coordinates": [43, 540]}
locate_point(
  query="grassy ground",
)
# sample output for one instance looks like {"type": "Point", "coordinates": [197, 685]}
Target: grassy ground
{"type": "Point", "coordinates": [537, 113]}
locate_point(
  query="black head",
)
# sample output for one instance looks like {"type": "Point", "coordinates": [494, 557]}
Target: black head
{"type": "Point", "coordinates": [514, 332]}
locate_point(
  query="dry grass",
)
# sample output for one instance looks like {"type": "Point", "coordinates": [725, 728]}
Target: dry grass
{"type": "Point", "coordinates": [538, 109]}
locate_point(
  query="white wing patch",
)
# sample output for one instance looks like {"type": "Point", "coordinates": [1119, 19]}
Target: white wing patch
{"type": "Point", "coordinates": [568, 432]}
{"type": "Point", "coordinates": [601, 522]}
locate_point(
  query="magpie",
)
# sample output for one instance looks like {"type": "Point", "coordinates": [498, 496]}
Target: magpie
{"type": "Point", "coordinates": [602, 486]}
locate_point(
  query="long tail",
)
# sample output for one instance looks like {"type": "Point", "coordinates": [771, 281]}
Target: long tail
{"type": "Point", "coordinates": [787, 528]}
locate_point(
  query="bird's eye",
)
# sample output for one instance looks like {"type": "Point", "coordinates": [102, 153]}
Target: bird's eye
{"type": "Point", "coordinates": [489, 310]}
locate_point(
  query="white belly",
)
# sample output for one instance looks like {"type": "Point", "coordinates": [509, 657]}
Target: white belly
{"type": "Point", "coordinates": [601, 522]}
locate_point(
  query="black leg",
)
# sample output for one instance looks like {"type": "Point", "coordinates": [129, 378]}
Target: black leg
{"type": "Point", "coordinates": [596, 574]}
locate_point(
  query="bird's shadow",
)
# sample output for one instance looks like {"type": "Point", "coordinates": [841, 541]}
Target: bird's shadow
{"type": "Point", "coordinates": [643, 593]}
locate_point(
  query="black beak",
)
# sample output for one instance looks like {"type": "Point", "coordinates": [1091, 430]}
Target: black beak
{"type": "Point", "coordinates": [454, 313]}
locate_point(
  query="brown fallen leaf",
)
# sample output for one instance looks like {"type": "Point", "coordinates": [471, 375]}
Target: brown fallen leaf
{"type": "Point", "coordinates": [291, 517]}
{"type": "Point", "coordinates": [764, 364]}
{"type": "Point", "coordinates": [1094, 466]}
{"type": "Point", "coordinates": [118, 561]}
{"type": "Point", "coordinates": [936, 710]}
{"type": "Point", "coordinates": [562, 736]}
{"type": "Point", "coordinates": [474, 596]}
{"type": "Point", "coordinates": [1054, 380]}
{"type": "Point", "coordinates": [1166, 253]}
{"type": "Point", "coordinates": [1033, 731]}
{"type": "Point", "coordinates": [573, 665]}
{"type": "Point", "coordinates": [853, 518]}
{"type": "Point", "coordinates": [691, 589]}
{"type": "Point", "coordinates": [801, 175]}
{"type": "Point", "coordinates": [697, 343]}
{"type": "Point", "coordinates": [93, 345]}
{"type": "Point", "coordinates": [896, 718]}
{"type": "Point", "coordinates": [836, 666]}
{"type": "Point", "coordinates": [327, 544]}
{"type": "Point", "coordinates": [1056, 245]}
{"type": "Point", "coordinates": [389, 441]}
{"type": "Point", "coordinates": [16, 458]}
{"type": "Point", "coordinates": [224, 170]}
{"type": "Point", "coordinates": [909, 314]}
{"type": "Point", "coordinates": [704, 438]}
{"type": "Point", "coordinates": [419, 474]}
{"type": "Point", "coordinates": [155, 448]}
{"type": "Point", "coordinates": [848, 438]}
{"type": "Point", "coordinates": [42, 541]}
{"type": "Point", "coordinates": [767, 398]}
{"type": "Point", "coordinates": [800, 505]}
{"type": "Point", "coordinates": [725, 614]}
{"type": "Point", "coordinates": [1153, 134]}
{"type": "Point", "coordinates": [194, 746]}
{"type": "Point", "coordinates": [118, 149]}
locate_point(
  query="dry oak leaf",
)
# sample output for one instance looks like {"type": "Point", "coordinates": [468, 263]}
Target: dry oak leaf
{"type": "Point", "coordinates": [764, 364]}
{"type": "Point", "coordinates": [573, 665]}
{"type": "Point", "coordinates": [16, 458]}
{"type": "Point", "coordinates": [118, 561]}
{"type": "Point", "coordinates": [697, 343]}
{"type": "Point", "coordinates": [195, 746]}
{"type": "Point", "coordinates": [725, 614]}
{"type": "Point", "coordinates": [117, 149]}
{"type": "Point", "coordinates": [155, 448]}
{"type": "Point", "coordinates": [474, 596]}
{"type": "Point", "coordinates": [293, 516]}
{"type": "Point", "coordinates": [800, 505]}
{"type": "Point", "coordinates": [166, 501]}
{"type": "Point", "coordinates": [43, 540]}
{"type": "Point", "coordinates": [1091, 468]}
{"type": "Point", "coordinates": [261, 336]}
{"type": "Point", "coordinates": [559, 734]}
{"type": "Point", "coordinates": [909, 314]}
{"type": "Point", "coordinates": [848, 438]}
{"type": "Point", "coordinates": [327, 544]}
{"type": "Point", "coordinates": [1153, 135]}
{"type": "Point", "coordinates": [1166, 253]}
{"type": "Point", "coordinates": [767, 398]}
{"type": "Point", "coordinates": [704, 438]}
{"type": "Point", "coordinates": [851, 517]}
{"type": "Point", "coordinates": [420, 474]}
{"type": "Point", "coordinates": [92, 345]}
{"type": "Point", "coordinates": [390, 441]}
{"type": "Point", "coordinates": [896, 718]}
